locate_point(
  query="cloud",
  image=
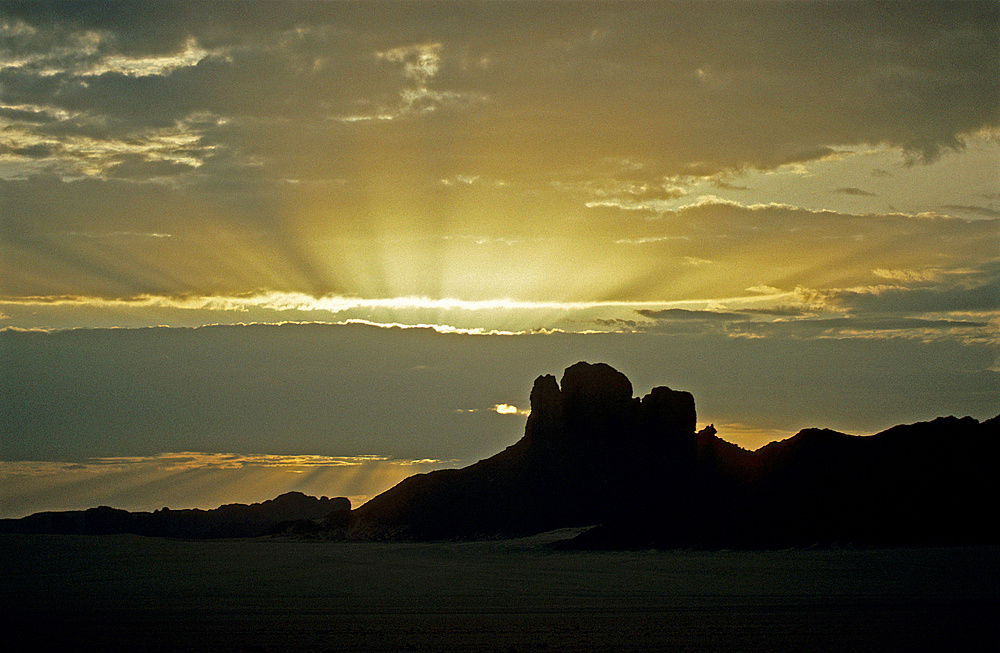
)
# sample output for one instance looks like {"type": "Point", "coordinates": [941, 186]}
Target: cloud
{"type": "Point", "coordinates": [113, 234]}
{"type": "Point", "coordinates": [870, 327]}
{"type": "Point", "coordinates": [984, 211]}
{"type": "Point", "coordinates": [499, 409]}
{"type": "Point", "coordinates": [647, 240]}
{"type": "Point", "coordinates": [185, 461]}
{"type": "Point", "coordinates": [342, 399]}
{"type": "Point", "coordinates": [298, 268]}
{"type": "Point", "coordinates": [15, 114]}
{"type": "Point", "coordinates": [681, 103]}
{"type": "Point", "coordinates": [857, 192]}
{"type": "Point", "coordinates": [932, 274]}
{"type": "Point", "coordinates": [764, 290]}
{"type": "Point", "coordinates": [903, 300]}
{"type": "Point", "coordinates": [718, 183]}
{"type": "Point", "coordinates": [953, 305]}
{"type": "Point", "coordinates": [919, 292]}
{"type": "Point", "coordinates": [680, 314]}
{"type": "Point", "coordinates": [140, 167]}
{"type": "Point", "coordinates": [780, 311]}
{"type": "Point", "coordinates": [420, 62]}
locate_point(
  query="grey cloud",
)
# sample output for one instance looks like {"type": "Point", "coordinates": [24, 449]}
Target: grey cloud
{"type": "Point", "coordinates": [976, 289]}
{"type": "Point", "coordinates": [680, 314]}
{"type": "Point", "coordinates": [976, 210]}
{"type": "Point", "coordinates": [38, 151]}
{"type": "Point", "coordinates": [619, 324]}
{"type": "Point", "coordinates": [847, 327]}
{"type": "Point", "coordinates": [138, 167]}
{"type": "Point", "coordinates": [858, 192]}
{"type": "Point", "coordinates": [870, 311]}
{"type": "Point", "coordinates": [355, 390]}
{"type": "Point", "coordinates": [711, 219]}
{"type": "Point", "coordinates": [909, 301]}
{"type": "Point", "coordinates": [26, 115]}
{"type": "Point", "coordinates": [807, 326]}
{"type": "Point", "coordinates": [727, 186]}
{"type": "Point", "coordinates": [648, 80]}
{"type": "Point", "coordinates": [778, 311]}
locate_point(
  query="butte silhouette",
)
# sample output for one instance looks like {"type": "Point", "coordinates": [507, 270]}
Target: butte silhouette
{"type": "Point", "coordinates": [637, 471]}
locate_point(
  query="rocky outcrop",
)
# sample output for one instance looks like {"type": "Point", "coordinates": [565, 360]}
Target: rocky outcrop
{"type": "Point", "coordinates": [593, 408]}
{"type": "Point", "coordinates": [637, 470]}
{"type": "Point", "coordinates": [587, 443]}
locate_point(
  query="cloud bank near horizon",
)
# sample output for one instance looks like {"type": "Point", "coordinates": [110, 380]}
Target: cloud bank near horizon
{"type": "Point", "coordinates": [354, 408]}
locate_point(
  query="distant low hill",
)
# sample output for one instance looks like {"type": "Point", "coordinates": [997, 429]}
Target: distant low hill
{"type": "Point", "coordinates": [638, 472]}
{"type": "Point", "coordinates": [290, 512]}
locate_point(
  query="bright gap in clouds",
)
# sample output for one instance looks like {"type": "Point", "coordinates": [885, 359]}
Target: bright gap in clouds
{"type": "Point", "coordinates": [446, 315]}
{"type": "Point", "coordinates": [508, 409]}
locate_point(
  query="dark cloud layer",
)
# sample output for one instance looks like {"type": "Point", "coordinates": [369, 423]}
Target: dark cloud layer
{"type": "Point", "coordinates": [357, 390]}
{"type": "Point", "coordinates": [983, 211]}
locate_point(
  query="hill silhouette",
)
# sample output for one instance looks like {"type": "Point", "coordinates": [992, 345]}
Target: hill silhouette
{"type": "Point", "coordinates": [636, 470]}
{"type": "Point", "coordinates": [292, 511]}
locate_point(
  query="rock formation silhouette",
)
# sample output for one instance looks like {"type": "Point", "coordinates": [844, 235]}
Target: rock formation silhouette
{"type": "Point", "coordinates": [293, 511]}
{"type": "Point", "coordinates": [589, 448]}
{"type": "Point", "coordinates": [636, 470]}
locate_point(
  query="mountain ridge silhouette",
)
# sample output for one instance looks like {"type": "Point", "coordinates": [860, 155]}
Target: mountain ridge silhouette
{"type": "Point", "coordinates": [635, 472]}
{"type": "Point", "coordinates": [638, 473]}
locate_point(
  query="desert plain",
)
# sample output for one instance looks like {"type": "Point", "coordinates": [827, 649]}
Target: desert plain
{"type": "Point", "coordinates": [133, 593]}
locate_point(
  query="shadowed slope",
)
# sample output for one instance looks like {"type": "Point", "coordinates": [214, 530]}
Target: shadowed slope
{"type": "Point", "coordinates": [929, 483]}
{"type": "Point", "coordinates": [594, 455]}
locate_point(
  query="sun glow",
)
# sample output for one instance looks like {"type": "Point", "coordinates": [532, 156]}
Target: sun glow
{"type": "Point", "coordinates": [495, 316]}
{"type": "Point", "coordinates": [508, 409]}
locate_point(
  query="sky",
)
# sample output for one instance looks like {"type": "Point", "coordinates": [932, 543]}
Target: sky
{"type": "Point", "coordinates": [250, 247]}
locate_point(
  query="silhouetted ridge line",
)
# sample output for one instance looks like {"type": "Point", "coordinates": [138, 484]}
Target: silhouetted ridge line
{"type": "Point", "coordinates": [637, 472]}
{"type": "Point", "coordinates": [289, 512]}
{"type": "Point", "coordinates": [635, 468]}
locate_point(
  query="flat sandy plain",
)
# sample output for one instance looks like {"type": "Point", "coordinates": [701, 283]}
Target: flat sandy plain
{"type": "Point", "coordinates": [132, 593]}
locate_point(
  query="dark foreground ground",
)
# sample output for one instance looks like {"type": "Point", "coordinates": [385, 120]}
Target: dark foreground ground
{"type": "Point", "coordinates": [102, 593]}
